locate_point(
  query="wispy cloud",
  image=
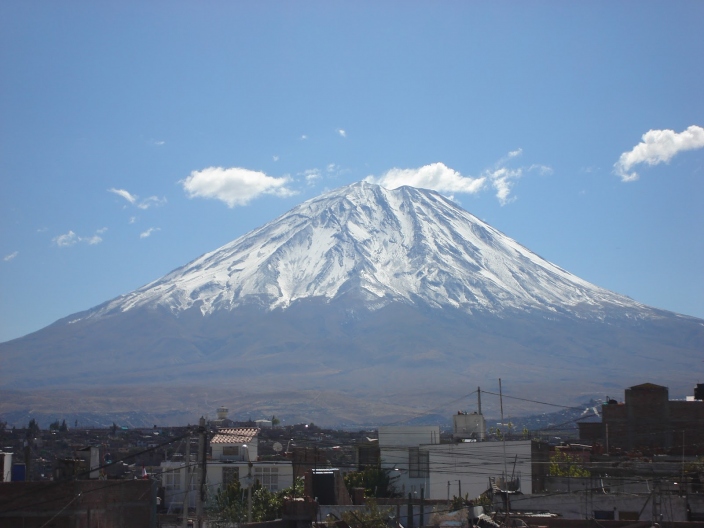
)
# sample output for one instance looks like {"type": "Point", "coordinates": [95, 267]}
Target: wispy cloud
{"type": "Point", "coordinates": [304, 137]}
{"type": "Point", "coordinates": [515, 153]}
{"type": "Point", "coordinates": [148, 232]}
{"type": "Point", "coordinates": [152, 201]}
{"type": "Point", "coordinates": [11, 256]}
{"type": "Point", "coordinates": [70, 239]}
{"type": "Point", "coordinates": [502, 180]}
{"type": "Point", "coordinates": [341, 132]}
{"type": "Point", "coordinates": [275, 158]}
{"type": "Point", "coordinates": [311, 175]}
{"type": "Point", "coordinates": [658, 146]}
{"type": "Point", "coordinates": [234, 186]}
{"type": "Point", "coordinates": [66, 240]}
{"type": "Point", "coordinates": [131, 198]}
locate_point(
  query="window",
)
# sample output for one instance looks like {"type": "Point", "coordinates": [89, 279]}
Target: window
{"type": "Point", "coordinates": [230, 475]}
{"type": "Point", "coordinates": [172, 479]}
{"type": "Point", "coordinates": [418, 463]}
{"type": "Point", "coordinates": [231, 451]}
{"type": "Point", "coordinates": [267, 477]}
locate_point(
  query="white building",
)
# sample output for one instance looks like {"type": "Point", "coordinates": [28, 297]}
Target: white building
{"type": "Point", "coordinates": [232, 450]}
{"type": "Point", "coordinates": [417, 460]}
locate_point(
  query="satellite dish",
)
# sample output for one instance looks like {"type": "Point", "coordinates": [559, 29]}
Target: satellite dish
{"type": "Point", "coordinates": [278, 447]}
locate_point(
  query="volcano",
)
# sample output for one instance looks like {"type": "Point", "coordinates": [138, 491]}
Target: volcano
{"type": "Point", "coordinates": [375, 294]}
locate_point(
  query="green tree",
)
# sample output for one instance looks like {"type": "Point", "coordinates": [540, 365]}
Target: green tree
{"type": "Point", "coordinates": [230, 504]}
{"type": "Point", "coordinates": [63, 427]}
{"type": "Point", "coordinates": [54, 426]}
{"type": "Point", "coordinates": [459, 503]}
{"type": "Point", "coordinates": [32, 428]}
{"type": "Point", "coordinates": [376, 481]}
{"type": "Point", "coordinates": [275, 421]}
{"type": "Point", "coordinates": [566, 465]}
{"type": "Point", "coordinates": [371, 517]}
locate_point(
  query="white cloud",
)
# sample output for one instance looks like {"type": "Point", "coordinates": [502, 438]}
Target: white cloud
{"type": "Point", "coordinates": [148, 232]}
{"type": "Point", "coordinates": [502, 181]}
{"type": "Point", "coordinates": [341, 132]}
{"type": "Point", "coordinates": [11, 256]}
{"type": "Point", "coordinates": [311, 175]}
{"type": "Point", "coordinates": [152, 201]}
{"type": "Point", "coordinates": [439, 177]}
{"type": "Point", "coordinates": [275, 158]}
{"type": "Point", "coordinates": [234, 186]}
{"type": "Point", "coordinates": [515, 153]}
{"type": "Point", "coordinates": [133, 219]}
{"type": "Point", "coordinates": [304, 137]}
{"type": "Point", "coordinates": [658, 146]}
{"type": "Point", "coordinates": [131, 198]}
{"type": "Point", "coordinates": [436, 176]}
{"type": "Point", "coordinates": [544, 170]}
{"type": "Point", "coordinates": [69, 239]}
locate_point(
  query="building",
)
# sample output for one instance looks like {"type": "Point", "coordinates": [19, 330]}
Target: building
{"type": "Point", "coordinates": [233, 452]}
{"type": "Point", "coordinates": [648, 420]}
{"type": "Point", "coordinates": [418, 461]}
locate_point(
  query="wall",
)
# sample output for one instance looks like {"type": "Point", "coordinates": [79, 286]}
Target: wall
{"type": "Point", "coordinates": [78, 504]}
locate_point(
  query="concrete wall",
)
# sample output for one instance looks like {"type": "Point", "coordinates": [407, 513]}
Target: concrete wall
{"type": "Point", "coordinates": [392, 436]}
{"type": "Point", "coordinates": [583, 505]}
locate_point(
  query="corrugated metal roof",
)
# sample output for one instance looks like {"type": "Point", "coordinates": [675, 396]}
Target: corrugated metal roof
{"type": "Point", "coordinates": [240, 435]}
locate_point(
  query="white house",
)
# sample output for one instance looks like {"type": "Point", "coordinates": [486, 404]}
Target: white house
{"type": "Point", "coordinates": [417, 460]}
{"type": "Point", "coordinates": [232, 450]}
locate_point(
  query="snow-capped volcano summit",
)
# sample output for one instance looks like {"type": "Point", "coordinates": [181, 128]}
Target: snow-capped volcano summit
{"type": "Point", "coordinates": [409, 245]}
{"type": "Point", "coordinates": [367, 293]}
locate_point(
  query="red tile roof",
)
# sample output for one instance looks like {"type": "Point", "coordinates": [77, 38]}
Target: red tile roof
{"type": "Point", "coordinates": [240, 435]}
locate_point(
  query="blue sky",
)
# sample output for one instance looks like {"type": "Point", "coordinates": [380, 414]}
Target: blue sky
{"type": "Point", "coordinates": [135, 136]}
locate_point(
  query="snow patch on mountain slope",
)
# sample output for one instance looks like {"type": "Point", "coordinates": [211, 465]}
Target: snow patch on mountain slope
{"type": "Point", "coordinates": [405, 245]}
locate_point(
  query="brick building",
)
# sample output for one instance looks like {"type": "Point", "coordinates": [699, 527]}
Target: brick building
{"type": "Point", "coordinates": [649, 420]}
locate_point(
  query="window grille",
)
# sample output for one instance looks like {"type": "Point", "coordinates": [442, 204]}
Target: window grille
{"type": "Point", "coordinates": [267, 477]}
{"type": "Point", "coordinates": [418, 463]}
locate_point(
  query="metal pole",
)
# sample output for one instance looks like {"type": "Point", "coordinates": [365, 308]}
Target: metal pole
{"type": "Point", "coordinates": [501, 402]}
{"type": "Point", "coordinates": [200, 497]}
{"type": "Point", "coordinates": [421, 520]}
{"type": "Point", "coordinates": [187, 482]}
{"type": "Point", "coordinates": [249, 486]}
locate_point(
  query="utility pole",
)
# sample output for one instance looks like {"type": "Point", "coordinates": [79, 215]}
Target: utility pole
{"type": "Point", "coordinates": [202, 456]}
{"type": "Point", "coordinates": [187, 481]}
{"type": "Point", "coordinates": [249, 484]}
{"type": "Point", "coordinates": [479, 400]}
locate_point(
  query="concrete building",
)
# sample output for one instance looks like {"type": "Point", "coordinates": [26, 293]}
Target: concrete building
{"type": "Point", "coordinates": [417, 460]}
{"type": "Point", "coordinates": [232, 451]}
